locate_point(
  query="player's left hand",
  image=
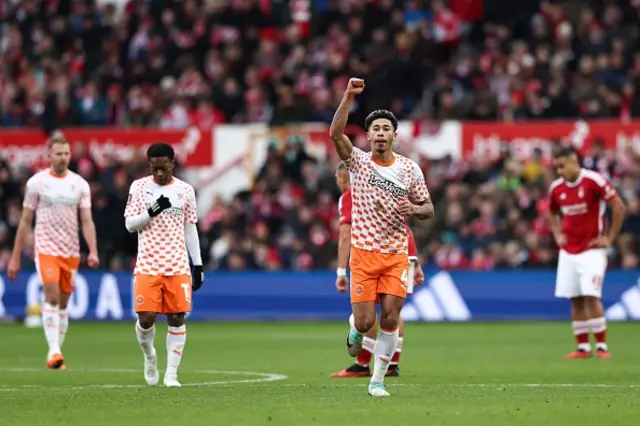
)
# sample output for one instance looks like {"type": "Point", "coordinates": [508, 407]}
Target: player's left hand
{"type": "Point", "coordinates": [406, 207]}
{"type": "Point", "coordinates": [418, 276]}
{"type": "Point", "coordinates": [342, 284]}
{"type": "Point", "coordinates": [93, 261]}
{"type": "Point", "coordinates": [600, 242]}
{"type": "Point", "coordinates": [13, 268]}
{"type": "Point", "coordinates": [197, 277]}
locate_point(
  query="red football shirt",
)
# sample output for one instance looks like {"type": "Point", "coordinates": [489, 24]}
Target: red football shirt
{"type": "Point", "coordinates": [582, 205]}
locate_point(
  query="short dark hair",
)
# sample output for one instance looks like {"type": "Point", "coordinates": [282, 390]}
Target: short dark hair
{"type": "Point", "coordinates": [565, 151]}
{"type": "Point", "coordinates": [381, 113]}
{"type": "Point", "coordinates": [161, 149]}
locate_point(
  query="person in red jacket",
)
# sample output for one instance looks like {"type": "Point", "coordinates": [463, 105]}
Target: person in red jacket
{"type": "Point", "coordinates": [361, 366]}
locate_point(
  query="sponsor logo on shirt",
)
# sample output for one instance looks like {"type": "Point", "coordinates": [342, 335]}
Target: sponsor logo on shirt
{"type": "Point", "coordinates": [574, 209]}
{"type": "Point", "coordinates": [391, 187]}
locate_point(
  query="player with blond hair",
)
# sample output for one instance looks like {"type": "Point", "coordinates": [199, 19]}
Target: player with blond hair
{"type": "Point", "coordinates": [56, 196]}
{"type": "Point", "coordinates": [360, 368]}
{"type": "Point", "coordinates": [386, 189]}
{"type": "Point", "coordinates": [162, 210]}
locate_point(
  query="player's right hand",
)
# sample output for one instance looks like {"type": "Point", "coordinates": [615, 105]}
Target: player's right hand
{"type": "Point", "coordinates": [13, 268]}
{"type": "Point", "coordinates": [161, 204]}
{"type": "Point", "coordinates": [93, 260]}
{"type": "Point", "coordinates": [561, 240]}
{"type": "Point", "coordinates": [342, 284]}
{"type": "Point", "coordinates": [355, 86]}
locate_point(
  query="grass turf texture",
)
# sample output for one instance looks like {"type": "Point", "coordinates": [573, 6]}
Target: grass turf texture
{"type": "Point", "coordinates": [451, 374]}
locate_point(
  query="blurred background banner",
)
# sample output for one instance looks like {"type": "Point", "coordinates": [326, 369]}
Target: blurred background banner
{"type": "Point", "coordinates": [446, 296]}
{"type": "Point", "coordinates": [226, 159]}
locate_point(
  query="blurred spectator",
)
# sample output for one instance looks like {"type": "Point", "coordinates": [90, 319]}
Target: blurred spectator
{"type": "Point", "coordinates": [201, 62]}
{"type": "Point", "coordinates": [173, 64]}
{"type": "Point", "coordinates": [488, 214]}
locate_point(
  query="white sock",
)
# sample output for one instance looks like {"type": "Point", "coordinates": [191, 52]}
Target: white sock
{"type": "Point", "coordinates": [368, 344]}
{"type": "Point", "coordinates": [398, 349]}
{"type": "Point", "coordinates": [51, 325]}
{"type": "Point", "coordinates": [176, 338]}
{"type": "Point", "coordinates": [352, 325]}
{"type": "Point", "coordinates": [386, 344]}
{"type": "Point", "coordinates": [364, 359]}
{"type": "Point", "coordinates": [64, 324]}
{"type": "Point", "coordinates": [145, 338]}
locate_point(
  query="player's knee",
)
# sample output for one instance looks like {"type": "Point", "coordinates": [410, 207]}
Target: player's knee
{"type": "Point", "coordinates": [175, 320]}
{"type": "Point", "coordinates": [389, 320]}
{"type": "Point", "coordinates": [578, 302]}
{"type": "Point", "coordinates": [373, 331]}
{"type": "Point", "coordinates": [389, 323]}
{"type": "Point", "coordinates": [51, 294]}
{"type": "Point", "coordinates": [364, 323]}
{"type": "Point", "coordinates": [593, 306]}
{"type": "Point", "coordinates": [146, 319]}
{"type": "Point", "coordinates": [64, 302]}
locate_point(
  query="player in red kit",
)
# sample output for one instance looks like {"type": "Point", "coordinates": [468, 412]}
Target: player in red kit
{"type": "Point", "coordinates": [361, 366]}
{"type": "Point", "coordinates": [577, 205]}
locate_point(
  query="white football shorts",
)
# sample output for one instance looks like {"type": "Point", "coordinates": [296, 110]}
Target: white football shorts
{"type": "Point", "coordinates": [581, 274]}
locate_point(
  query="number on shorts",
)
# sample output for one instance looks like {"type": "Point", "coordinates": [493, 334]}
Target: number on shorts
{"type": "Point", "coordinates": [597, 281]}
{"type": "Point", "coordinates": [187, 291]}
{"type": "Point", "coordinates": [404, 277]}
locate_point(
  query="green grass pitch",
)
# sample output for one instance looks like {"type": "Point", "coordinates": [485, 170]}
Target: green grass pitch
{"type": "Point", "coordinates": [480, 374]}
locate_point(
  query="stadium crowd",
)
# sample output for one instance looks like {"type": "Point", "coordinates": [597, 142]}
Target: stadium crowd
{"type": "Point", "coordinates": [172, 63]}
{"type": "Point", "coordinates": [177, 63]}
{"type": "Point", "coordinates": [488, 215]}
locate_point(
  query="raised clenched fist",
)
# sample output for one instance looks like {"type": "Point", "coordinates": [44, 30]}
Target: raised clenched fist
{"type": "Point", "coordinates": [355, 86]}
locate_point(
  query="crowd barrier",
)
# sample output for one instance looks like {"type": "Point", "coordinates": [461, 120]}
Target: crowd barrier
{"type": "Point", "coordinates": [445, 296]}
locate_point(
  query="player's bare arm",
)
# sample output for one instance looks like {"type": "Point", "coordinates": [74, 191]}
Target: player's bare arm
{"type": "Point", "coordinates": [89, 234]}
{"type": "Point", "coordinates": [340, 140]}
{"type": "Point", "coordinates": [553, 219]}
{"type": "Point", "coordinates": [418, 275]}
{"type": "Point", "coordinates": [344, 248]}
{"type": "Point", "coordinates": [26, 220]}
{"type": "Point", "coordinates": [617, 217]}
{"type": "Point", "coordinates": [422, 211]}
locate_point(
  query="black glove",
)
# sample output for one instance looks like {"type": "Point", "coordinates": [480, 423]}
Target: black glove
{"type": "Point", "coordinates": [161, 204]}
{"type": "Point", "coordinates": [197, 277]}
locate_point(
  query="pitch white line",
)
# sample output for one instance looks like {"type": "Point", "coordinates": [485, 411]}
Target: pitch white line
{"type": "Point", "coordinates": [496, 386]}
{"type": "Point", "coordinates": [261, 378]}
{"type": "Point", "coordinates": [267, 379]}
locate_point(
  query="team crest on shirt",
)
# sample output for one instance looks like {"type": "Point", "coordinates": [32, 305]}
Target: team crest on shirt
{"type": "Point", "coordinates": [581, 192]}
{"type": "Point", "coordinates": [563, 196]}
{"type": "Point", "coordinates": [180, 195]}
{"type": "Point", "coordinates": [401, 175]}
